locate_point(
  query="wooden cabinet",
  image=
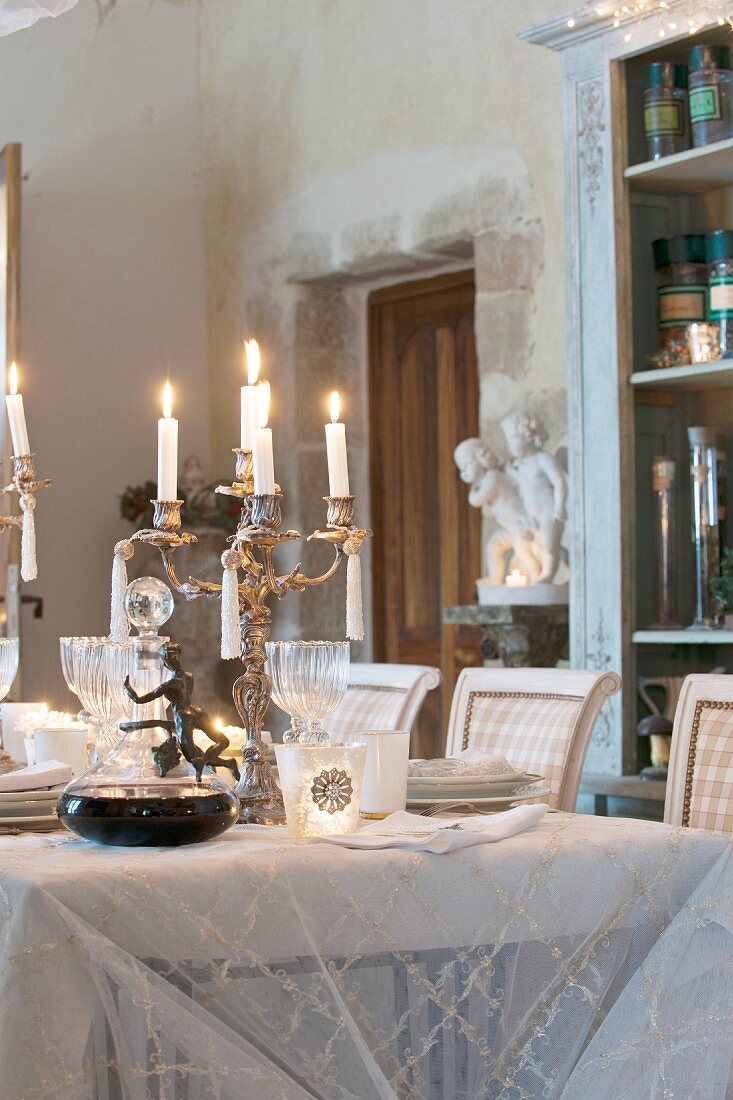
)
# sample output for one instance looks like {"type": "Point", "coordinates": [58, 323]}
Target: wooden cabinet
{"type": "Point", "coordinates": [620, 412]}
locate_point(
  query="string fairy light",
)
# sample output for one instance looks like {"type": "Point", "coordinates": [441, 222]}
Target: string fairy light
{"type": "Point", "coordinates": [695, 15]}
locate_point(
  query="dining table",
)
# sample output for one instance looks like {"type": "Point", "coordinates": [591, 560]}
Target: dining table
{"type": "Point", "coordinates": [583, 958]}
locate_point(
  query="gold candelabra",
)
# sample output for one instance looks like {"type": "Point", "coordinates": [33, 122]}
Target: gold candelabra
{"type": "Point", "coordinates": [252, 554]}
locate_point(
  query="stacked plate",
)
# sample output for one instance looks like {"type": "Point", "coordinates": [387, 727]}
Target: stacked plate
{"type": "Point", "coordinates": [29, 809]}
{"type": "Point", "coordinates": [485, 792]}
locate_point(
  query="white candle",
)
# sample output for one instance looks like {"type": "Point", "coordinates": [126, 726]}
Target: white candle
{"type": "Point", "coordinates": [338, 469]}
{"type": "Point", "coordinates": [167, 449]}
{"type": "Point", "coordinates": [262, 461]}
{"type": "Point", "coordinates": [516, 579]}
{"type": "Point", "coordinates": [264, 469]}
{"type": "Point", "coordinates": [16, 415]}
{"type": "Point", "coordinates": [250, 397]}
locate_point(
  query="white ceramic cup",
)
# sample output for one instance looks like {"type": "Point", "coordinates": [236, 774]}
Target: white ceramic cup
{"type": "Point", "coordinates": [64, 744]}
{"type": "Point", "coordinates": [384, 789]}
{"type": "Point", "coordinates": [13, 742]}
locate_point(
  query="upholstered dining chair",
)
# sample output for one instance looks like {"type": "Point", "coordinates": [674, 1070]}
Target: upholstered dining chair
{"type": "Point", "coordinates": [383, 697]}
{"type": "Point", "coordinates": [700, 779]}
{"type": "Point", "coordinates": [540, 719]}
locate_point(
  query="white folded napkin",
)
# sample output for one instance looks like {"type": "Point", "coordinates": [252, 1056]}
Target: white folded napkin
{"type": "Point", "coordinates": [48, 774]}
{"type": "Point", "coordinates": [439, 835]}
{"type": "Point", "coordinates": [469, 762]}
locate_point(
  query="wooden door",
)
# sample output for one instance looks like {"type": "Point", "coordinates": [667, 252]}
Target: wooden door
{"type": "Point", "coordinates": [427, 547]}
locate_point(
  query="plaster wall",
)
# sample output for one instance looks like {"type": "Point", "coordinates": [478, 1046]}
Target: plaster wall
{"type": "Point", "coordinates": [105, 101]}
{"type": "Point", "coordinates": [352, 143]}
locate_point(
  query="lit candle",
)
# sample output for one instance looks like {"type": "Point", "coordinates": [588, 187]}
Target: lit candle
{"type": "Point", "coordinates": [167, 449]}
{"type": "Point", "coordinates": [16, 415]}
{"type": "Point", "coordinates": [250, 397]}
{"type": "Point", "coordinates": [516, 579]}
{"type": "Point", "coordinates": [338, 470]}
{"type": "Point", "coordinates": [262, 461]}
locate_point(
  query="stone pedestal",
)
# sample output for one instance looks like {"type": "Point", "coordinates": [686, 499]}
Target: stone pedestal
{"type": "Point", "coordinates": [519, 636]}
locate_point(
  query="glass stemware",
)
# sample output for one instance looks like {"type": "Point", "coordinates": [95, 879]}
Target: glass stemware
{"type": "Point", "coordinates": [309, 680]}
{"type": "Point", "coordinates": [106, 701]}
{"type": "Point", "coordinates": [9, 654]}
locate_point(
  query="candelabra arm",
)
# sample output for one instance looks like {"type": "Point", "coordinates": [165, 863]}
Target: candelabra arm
{"type": "Point", "coordinates": [299, 581]}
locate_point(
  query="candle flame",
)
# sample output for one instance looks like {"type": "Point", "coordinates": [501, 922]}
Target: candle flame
{"type": "Point", "coordinates": [13, 377]}
{"type": "Point", "coordinates": [167, 400]}
{"type": "Point", "coordinates": [335, 406]}
{"type": "Point", "coordinates": [263, 392]}
{"type": "Point", "coordinates": [252, 352]}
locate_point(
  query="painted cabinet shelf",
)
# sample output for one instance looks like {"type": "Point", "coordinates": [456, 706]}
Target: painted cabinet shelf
{"type": "Point", "coordinates": [693, 171]}
{"type": "Point", "coordinates": [683, 637]}
{"type": "Point", "coordinates": [690, 379]}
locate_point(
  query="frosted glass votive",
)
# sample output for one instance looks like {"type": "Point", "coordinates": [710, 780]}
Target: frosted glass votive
{"type": "Point", "coordinates": [69, 745]}
{"type": "Point", "coordinates": [384, 790]}
{"type": "Point", "coordinates": [321, 786]}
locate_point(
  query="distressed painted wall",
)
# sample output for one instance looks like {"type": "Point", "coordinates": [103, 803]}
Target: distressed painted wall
{"type": "Point", "coordinates": [351, 144]}
{"type": "Point", "coordinates": [105, 101]}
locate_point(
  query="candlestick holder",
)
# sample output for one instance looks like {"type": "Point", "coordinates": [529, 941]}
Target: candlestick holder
{"type": "Point", "coordinates": [246, 614]}
{"type": "Point", "coordinates": [25, 484]}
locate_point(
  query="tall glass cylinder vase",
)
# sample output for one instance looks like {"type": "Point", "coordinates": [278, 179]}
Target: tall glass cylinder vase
{"type": "Point", "coordinates": [705, 523]}
{"type": "Point", "coordinates": [663, 475]}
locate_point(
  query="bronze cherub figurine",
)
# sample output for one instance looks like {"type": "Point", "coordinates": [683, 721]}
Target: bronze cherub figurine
{"type": "Point", "coordinates": [186, 718]}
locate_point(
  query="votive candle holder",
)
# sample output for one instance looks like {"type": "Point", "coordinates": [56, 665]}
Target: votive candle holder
{"type": "Point", "coordinates": [321, 786]}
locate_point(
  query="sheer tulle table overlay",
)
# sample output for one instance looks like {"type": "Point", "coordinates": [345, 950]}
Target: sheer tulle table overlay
{"type": "Point", "coordinates": [583, 958]}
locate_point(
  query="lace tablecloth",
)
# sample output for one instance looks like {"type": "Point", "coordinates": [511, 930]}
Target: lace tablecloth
{"type": "Point", "coordinates": [588, 958]}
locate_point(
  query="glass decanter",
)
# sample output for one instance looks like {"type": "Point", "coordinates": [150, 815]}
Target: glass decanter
{"type": "Point", "coordinates": [309, 680]}
{"type": "Point", "coordinates": [125, 799]}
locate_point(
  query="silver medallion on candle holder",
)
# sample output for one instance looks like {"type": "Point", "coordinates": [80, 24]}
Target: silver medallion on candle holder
{"type": "Point", "coordinates": [251, 553]}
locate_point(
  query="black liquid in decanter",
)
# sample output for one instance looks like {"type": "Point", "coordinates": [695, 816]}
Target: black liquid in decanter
{"type": "Point", "coordinates": [157, 786]}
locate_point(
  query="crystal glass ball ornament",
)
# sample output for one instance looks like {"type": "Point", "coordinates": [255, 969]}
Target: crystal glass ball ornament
{"type": "Point", "coordinates": [148, 604]}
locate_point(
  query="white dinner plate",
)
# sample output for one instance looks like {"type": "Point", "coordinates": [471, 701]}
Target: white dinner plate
{"type": "Point", "coordinates": [45, 821]}
{"type": "Point", "coordinates": [521, 794]}
{"type": "Point", "coordinates": [26, 809]}
{"type": "Point", "coordinates": [48, 794]}
{"type": "Point", "coordinates": [449, 782]}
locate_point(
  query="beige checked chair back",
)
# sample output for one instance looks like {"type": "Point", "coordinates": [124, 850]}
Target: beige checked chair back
{"type": "Point", "coordinates": [382, 697]}
{"type": "Point", "coordinates": [540, 719]}
{"type": "Point", "coordinates": [700, 780]}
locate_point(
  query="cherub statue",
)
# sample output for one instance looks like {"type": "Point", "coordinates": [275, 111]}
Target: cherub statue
{"type": "Point", "coordinates": [497, 490]}
{"type": "Point", "coordinates": [542, 486]}
{"type": "Point", "coordinates": [186, 718]}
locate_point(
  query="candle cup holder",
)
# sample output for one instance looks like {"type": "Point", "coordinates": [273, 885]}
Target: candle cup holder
{"type": "Point", "coordinates": [266, 513]}
{"type": "Point", "coordinates": [340, 511]}
{"type": "Point", "coordinates": [23, 467]}
{"type": "Point", "coordinates": [244, 470]}
{"type": "Point", "coordinates": [254, 543]}
{"type": "Point", "coordinates": [167, 515]}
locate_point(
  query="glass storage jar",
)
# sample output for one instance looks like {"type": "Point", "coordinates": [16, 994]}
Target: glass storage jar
{"type": "Point", "coordinates": [719, 255]}
{"type": "Point", "coordinates": [681, 285]}
{"type": "Point", "coordinates": [665, 109]}
{"type": "Point", "coordinates": [710, 94]}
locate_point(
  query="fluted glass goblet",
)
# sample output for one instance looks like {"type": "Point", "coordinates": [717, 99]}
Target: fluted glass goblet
{"type": "Point", "coordinates": [107, 702]}
{"type": "Point", "coordinates": [309, 682]}
{"type": "Point", "coordinates": [9, 654]}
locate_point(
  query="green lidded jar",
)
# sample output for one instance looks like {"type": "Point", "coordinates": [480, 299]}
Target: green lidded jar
{"type": "Point", "coordinates": [719, 256]}
{"type": "Point", "coordinates": [710, 94]}
{"type": "Point", "coordinates": [665, 109]}
{"type": "Point", "coordinates": [682, 279]}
